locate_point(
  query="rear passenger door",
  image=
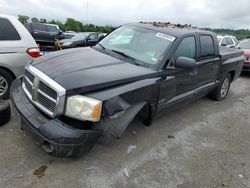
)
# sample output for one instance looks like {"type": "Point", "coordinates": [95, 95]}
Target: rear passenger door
{"type": "Point", "coordinates": [208, 63]}
{"type": "Point", "coordinates": [40, 32]}
{"type": "Point", "coordinates": [54, 33]}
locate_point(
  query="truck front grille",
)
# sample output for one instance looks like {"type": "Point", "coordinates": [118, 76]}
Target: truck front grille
{"type": "Point", "coordinates": [43, 91]}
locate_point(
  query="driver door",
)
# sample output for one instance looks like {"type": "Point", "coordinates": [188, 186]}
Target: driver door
{"type": "Point", "coordinates": [92, 39]}
{"type": "Point", "coordinates": [179, 83]}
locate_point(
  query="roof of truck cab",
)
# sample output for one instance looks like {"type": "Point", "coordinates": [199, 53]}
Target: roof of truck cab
{"type": "Point", "coordinates": [176, 30]}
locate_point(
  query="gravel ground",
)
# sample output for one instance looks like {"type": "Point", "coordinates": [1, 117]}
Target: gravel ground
{"type": "Point", "coordinates": [203, 144]}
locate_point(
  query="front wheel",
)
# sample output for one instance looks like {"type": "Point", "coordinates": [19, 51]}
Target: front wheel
{"type": "Point", "coordinates": [221, 90]}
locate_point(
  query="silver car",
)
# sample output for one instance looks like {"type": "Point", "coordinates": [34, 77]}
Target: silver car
{"type": "Point", "coordinates": [17, 48]}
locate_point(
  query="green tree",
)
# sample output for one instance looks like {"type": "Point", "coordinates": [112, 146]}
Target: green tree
{"type": "Point", "coordinates": [42, 20]}
{"type": "Point", "coordinates": [52, 22]}
{"type": "Point", "coordinates": [73, 25]}
{"type": "Point", "coordinates": [34, 20]}
{"type": "Point", "coordinates": [23, 19]}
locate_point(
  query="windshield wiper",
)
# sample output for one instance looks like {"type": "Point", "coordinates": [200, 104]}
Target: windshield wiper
{"type": "Point", "coordinates": [103, 48]}
{"type": "Point", "coordinates": [126, 56]}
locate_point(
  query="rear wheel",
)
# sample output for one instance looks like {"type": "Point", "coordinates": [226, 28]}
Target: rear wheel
{"type": "Point", "coordinates": [5, 82]}
{"type": "Point", "coordinates": [221, 90]}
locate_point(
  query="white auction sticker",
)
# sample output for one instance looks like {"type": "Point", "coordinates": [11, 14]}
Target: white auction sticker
{"type": "Point", "coordinates": [165, 36]}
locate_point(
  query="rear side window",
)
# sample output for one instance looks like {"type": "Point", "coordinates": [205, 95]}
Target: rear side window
{"type": "Point", "coordinates": [229, 41]}
{"type": "Point", "coordinates": [40, 27]}
{"type": "Point", "coordinates": [53, 29]}
{"type": "Point", "coordinates": [224, 42]}
{"type": "Point", "coordinates": [7, 31]}
{"type": "Point", "coordinates": [207, 45]}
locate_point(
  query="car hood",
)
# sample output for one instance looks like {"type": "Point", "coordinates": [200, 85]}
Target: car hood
{"type": "Point", "coordinates": [85, 70]}
{"type": "Point", "coordinates": [71, 40]}
{"type": "Point", "coordinates": [64, 40]}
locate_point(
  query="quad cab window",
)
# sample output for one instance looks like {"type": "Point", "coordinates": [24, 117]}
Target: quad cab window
{"type": "Point", "coordinates": [187, 48]}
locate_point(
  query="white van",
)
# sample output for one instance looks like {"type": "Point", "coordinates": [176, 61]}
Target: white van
{"type": "Point", "coordinates": [17, 48]}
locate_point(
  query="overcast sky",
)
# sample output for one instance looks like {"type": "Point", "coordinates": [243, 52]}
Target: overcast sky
{"type": "Point", "coordinates": [201, 13]}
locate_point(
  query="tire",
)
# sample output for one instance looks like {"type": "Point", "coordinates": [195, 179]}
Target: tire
{"type": "Point", "coordinates": [145, 115]}
{"type": "Point", "coordinates": [222, 89]}
{"type": "Point", "coordinates": [5, 112]}
{"type": "Point", "coordinates": [5, 83]}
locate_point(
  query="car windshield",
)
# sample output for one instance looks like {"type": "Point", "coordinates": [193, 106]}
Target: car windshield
{"type": "Point", "coordinates": [245, 44]}
{"type": "Point", "coordinates": [143, 45]}
{"type": "Point", "coordinates": [80, 36]}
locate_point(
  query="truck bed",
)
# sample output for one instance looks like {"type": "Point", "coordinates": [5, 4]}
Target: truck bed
{"type": "Point", "coordinates": [227, 53]}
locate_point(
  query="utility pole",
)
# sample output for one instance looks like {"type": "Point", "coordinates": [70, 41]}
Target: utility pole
{"type": "Point", "coordinates": [87, 11]}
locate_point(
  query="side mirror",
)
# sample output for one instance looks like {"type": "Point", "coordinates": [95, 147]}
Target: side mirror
{"type": "Point", "coordinates": [185, 63]}
{"type": "Point", "coordinates": [223, 44]}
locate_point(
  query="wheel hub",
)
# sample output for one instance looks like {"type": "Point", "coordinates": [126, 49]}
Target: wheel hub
{"type": "Point", "coordinates": [3, 86]}
{"type": "Point", "coordinates": [224, 87]}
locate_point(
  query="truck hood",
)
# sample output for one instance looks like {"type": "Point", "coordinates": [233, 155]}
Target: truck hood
{"type": "Point", "coordinates": [85, 69]}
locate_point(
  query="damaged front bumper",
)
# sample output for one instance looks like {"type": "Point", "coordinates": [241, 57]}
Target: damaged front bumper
{"type": "Point", "coordinates": [53, 135]}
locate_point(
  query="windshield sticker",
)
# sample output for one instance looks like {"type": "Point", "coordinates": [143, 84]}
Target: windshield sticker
{"type": "Point", "coordinates": [165, 36]}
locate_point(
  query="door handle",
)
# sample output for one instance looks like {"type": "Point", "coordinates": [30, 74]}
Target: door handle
{"type": "Point", "coordinates": [215, 66]}
{"type": "Point", "coordinates": [193, 73]}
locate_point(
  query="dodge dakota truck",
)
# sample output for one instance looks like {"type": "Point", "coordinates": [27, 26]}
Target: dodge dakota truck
{"type": "Point", "coordinates": [70, 99]}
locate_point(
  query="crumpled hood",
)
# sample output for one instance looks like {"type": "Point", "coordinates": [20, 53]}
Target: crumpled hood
{"type": "Point", "coordinates": [85, 69]}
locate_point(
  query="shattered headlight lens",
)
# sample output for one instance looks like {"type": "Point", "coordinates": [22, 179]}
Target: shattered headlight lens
{"type": "Point", "coordinates": [83, 108]}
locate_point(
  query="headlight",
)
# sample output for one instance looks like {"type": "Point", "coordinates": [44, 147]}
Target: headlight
{"type": "Point", "coordinates": [83, 108]}
{"type": "Point", "coordinates": [67, 43]}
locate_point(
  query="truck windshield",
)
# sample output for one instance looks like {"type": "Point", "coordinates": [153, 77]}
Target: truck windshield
{"type": "Point", "coordinates": [144, 45]}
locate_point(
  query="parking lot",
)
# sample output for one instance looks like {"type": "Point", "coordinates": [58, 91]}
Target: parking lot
{"type": "Point", "coordinates": [205, 144]}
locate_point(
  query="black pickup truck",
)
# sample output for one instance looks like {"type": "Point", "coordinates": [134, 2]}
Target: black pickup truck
{"type": "Point", "coordinates": [69, 99]}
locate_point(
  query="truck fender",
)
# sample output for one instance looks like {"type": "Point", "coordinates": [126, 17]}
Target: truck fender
{"type": "Point", "coordinates": [115, 106]}
{"type": "Point", "coordinates": [116, 125]}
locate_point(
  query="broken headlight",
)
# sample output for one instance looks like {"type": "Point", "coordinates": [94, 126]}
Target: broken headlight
{"type": "Point", "coordinates": [83, 108]}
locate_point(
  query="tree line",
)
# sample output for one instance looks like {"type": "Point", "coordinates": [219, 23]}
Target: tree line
{"type": "Point", "coordinates": [69, 25]}
{"type": "Point", "coordinates": [74, 25]}
{"type": "Point", "coordinates": [239, 33]}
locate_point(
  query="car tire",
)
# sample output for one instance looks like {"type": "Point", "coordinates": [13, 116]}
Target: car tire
{"type": "Point", "coordinates": [5, 82]}
{"type": "Point", "coordinates": [222, 89]}
{"type": "Point", "coordinates": [5, 112]}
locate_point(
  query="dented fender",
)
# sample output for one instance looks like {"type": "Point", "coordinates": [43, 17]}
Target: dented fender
{"type": "Point", "coordinates": [117, 124]}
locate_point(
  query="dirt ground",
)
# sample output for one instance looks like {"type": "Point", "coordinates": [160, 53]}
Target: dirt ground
{"type": "Point", "coordinates": [203, 144]}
